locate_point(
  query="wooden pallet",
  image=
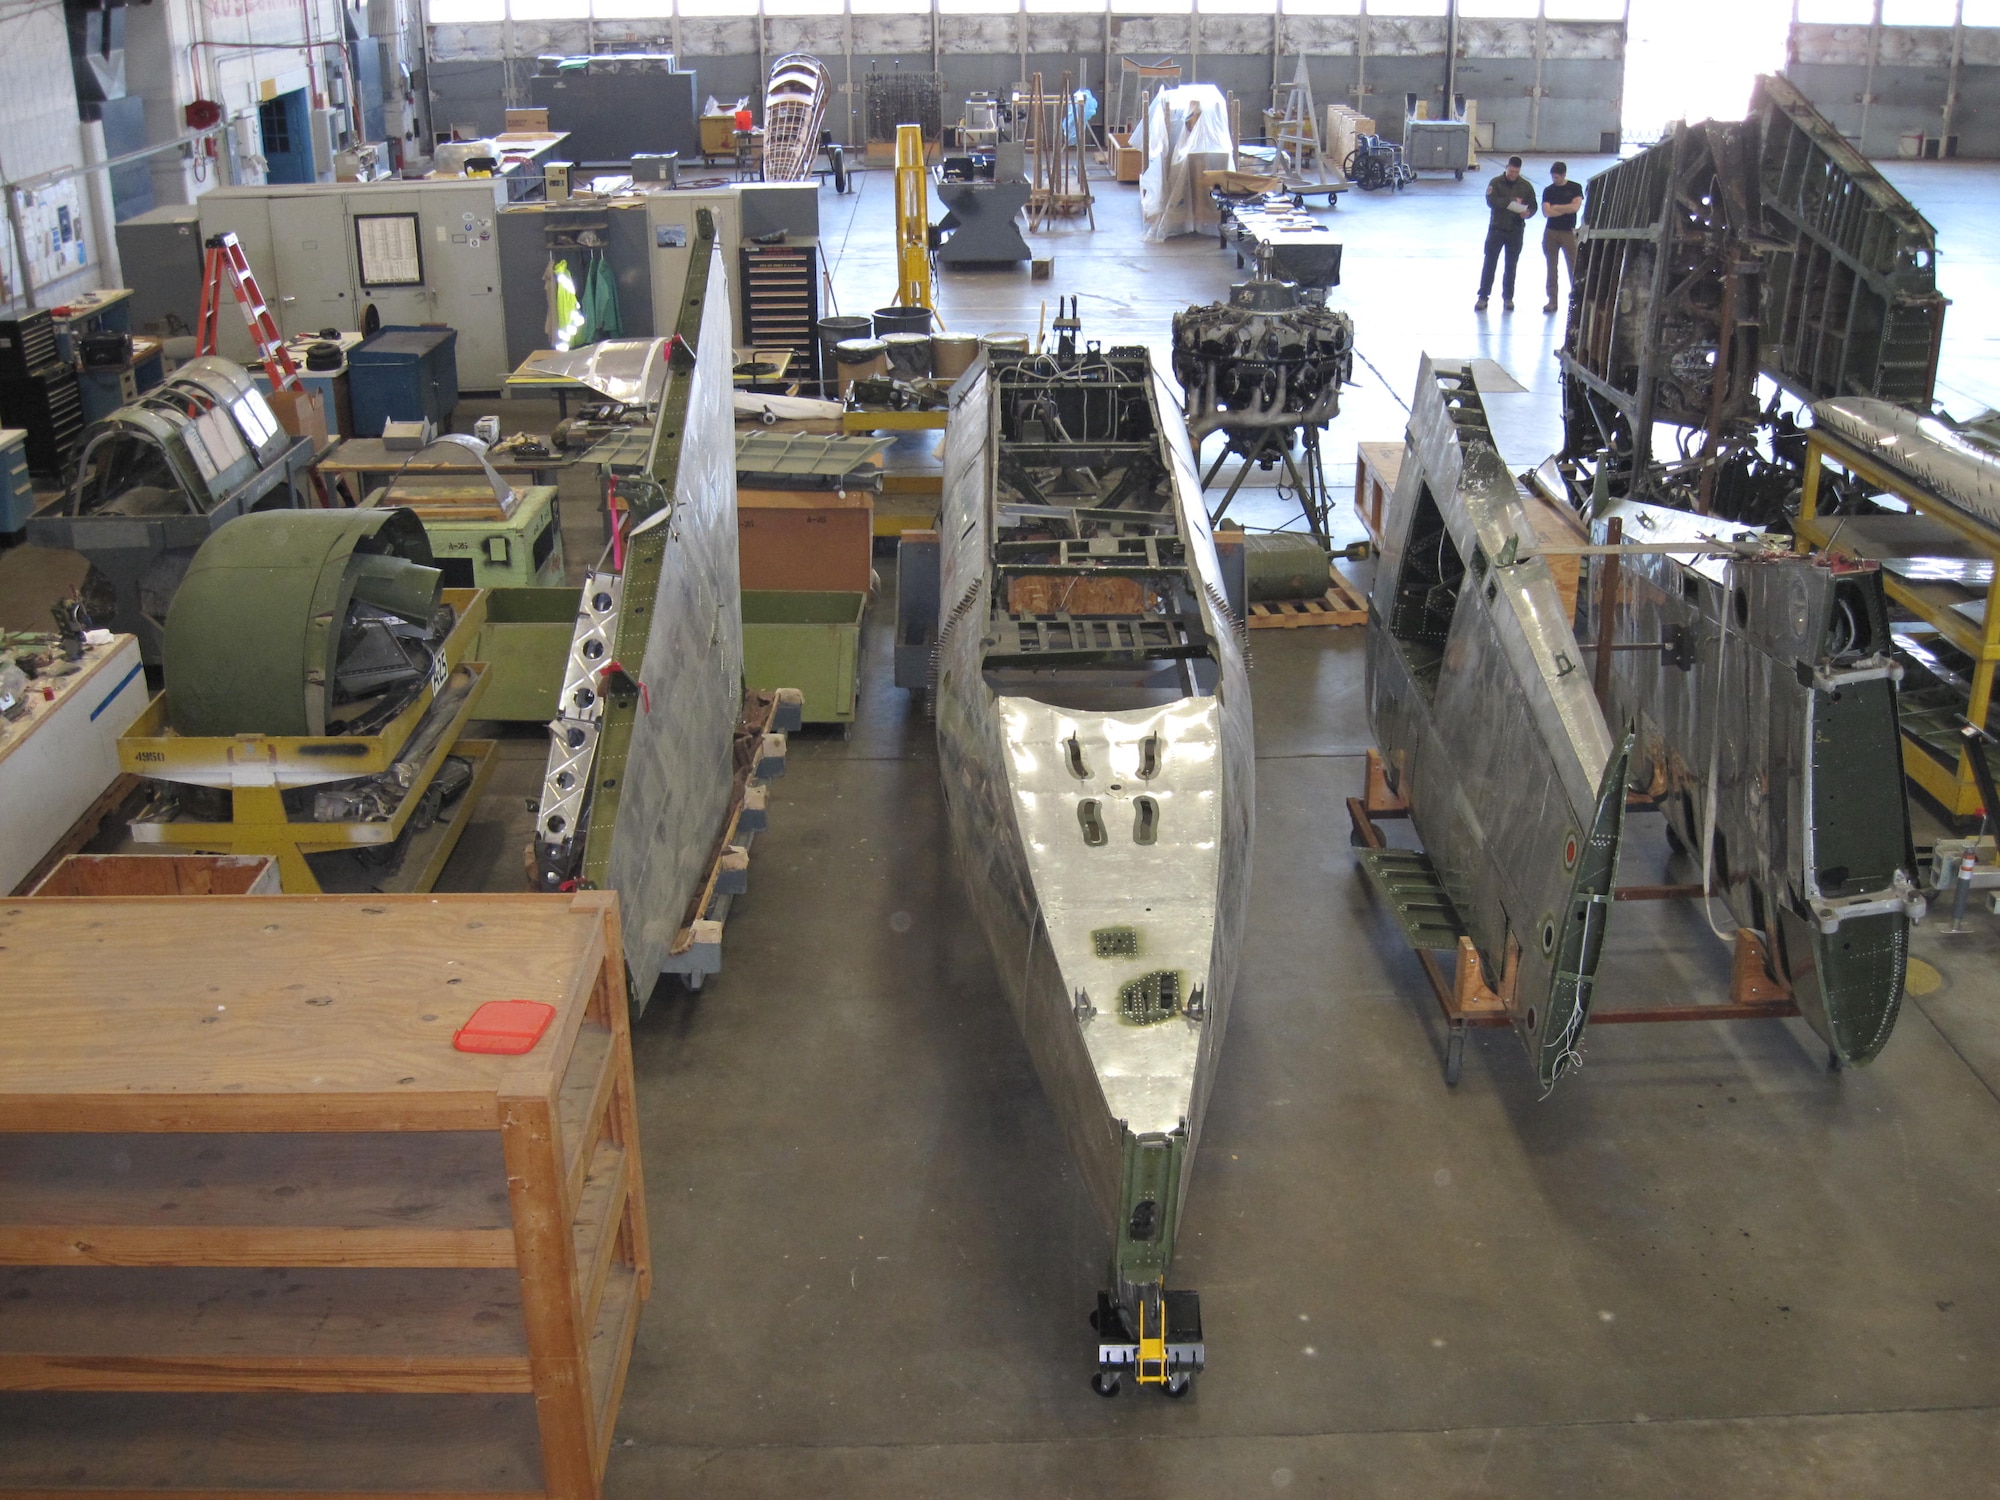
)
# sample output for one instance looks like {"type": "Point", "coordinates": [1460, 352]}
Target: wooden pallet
{"type": "Point", "coordinates": [696, 951]}
{"type": "Point", "coordinates": [1341, 604]}
{"type": "Point", "coordinates": [263, 1229]}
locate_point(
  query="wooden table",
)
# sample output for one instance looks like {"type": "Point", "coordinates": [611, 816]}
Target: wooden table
{"type": "Point", "coordinates": [368, 463]}
{"type": "Point", "coordinates": [197, 1090]}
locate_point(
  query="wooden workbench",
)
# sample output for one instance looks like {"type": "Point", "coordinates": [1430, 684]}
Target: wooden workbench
{"type": "Point", "coordinates": [262, 1228]}
{"type": "Point", "coordinates": [370, 463]}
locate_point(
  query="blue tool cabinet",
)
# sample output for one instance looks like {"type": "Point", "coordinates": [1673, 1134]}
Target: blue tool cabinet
{"type": "Point", "coordinates": [17, 493]}
{"type": "Point", "coordinates": [404, 375]}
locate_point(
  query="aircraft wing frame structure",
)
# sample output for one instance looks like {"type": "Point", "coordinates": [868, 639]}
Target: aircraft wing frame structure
{"type": "Point", "coordinates": [1733, 250]}
{"type": "Point", "coordinates": [794, 111]}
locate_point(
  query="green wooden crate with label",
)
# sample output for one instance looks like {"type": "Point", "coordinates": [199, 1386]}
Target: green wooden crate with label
{"type": "Point", "coordinates": [476, 545]}
{"type": "Point", "coordinates": [525, 642]}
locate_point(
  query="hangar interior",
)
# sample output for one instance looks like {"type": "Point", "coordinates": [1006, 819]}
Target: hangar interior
{"type": "Point", "coordinates": [894, 747]}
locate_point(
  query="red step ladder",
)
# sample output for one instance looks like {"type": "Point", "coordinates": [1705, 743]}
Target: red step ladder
{"type": "Point", "coordinates": [225, 259]}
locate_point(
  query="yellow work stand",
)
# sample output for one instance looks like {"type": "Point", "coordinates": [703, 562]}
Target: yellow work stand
{"type": "Point", "coordinates": [1932, 524]}
{"type": "Point", "coordinates": [908, 502]}
{"type": "Point", "coordinates": [873, 420]}
{"type": "Point", "coordinates": [258, 769]}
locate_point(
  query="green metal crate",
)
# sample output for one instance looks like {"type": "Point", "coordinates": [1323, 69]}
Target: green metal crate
{"type": "Point", "coordinates": [525, 642]}
{"type": "Point", "coordinates": [489, 552]}
{"type": "Point", "coordinates": [809, 640]}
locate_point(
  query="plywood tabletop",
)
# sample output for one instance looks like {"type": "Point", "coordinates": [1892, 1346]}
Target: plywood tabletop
{"type": "Point", "coordinates": [282, 1013]}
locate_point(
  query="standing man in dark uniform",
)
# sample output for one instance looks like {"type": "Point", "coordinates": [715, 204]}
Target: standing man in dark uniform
{"type": "Point", "coordinates": [1511, 199]}
{"type": "Point", "coordinates": [1560, 200]}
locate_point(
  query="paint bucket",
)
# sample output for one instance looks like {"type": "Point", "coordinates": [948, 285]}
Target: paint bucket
{"type": "Point", "coordinates": [890, 320]}
{"type": "Point", "coordinates": [952, 354]}
{"type": "Point", "coordinates": [859, 359]}
{"type": "Point", "coordinates": [909, 355]}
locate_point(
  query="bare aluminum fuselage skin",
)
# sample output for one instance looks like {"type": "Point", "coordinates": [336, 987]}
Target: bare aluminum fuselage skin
{"type": "Point", "coordinates": [1078, 810]}
{"type": "Point", "coordinates": [1776, 670]}
{"type": "Point", "coordinates": [1481, 701]}
{"type": "Point", "coordinates": [1963, 474]}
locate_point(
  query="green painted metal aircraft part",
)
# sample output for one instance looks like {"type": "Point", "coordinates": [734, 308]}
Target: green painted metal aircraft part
{"type": "Point", "coordinates": [253, 634]}
{"type": "Point", "coordinates": [1149, 1206]}
{"type": "Point", "coordinates": [1577, 936]}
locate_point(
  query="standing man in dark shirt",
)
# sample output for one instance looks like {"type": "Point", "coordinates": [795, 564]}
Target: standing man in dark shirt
{"type": "Point", "coordinates": [1560, 200]}
{"type": "Point", "coordinates": [1511, 199]}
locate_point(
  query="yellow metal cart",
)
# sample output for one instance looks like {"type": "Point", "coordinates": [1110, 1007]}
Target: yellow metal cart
{"type": "Point", "coordinates": [1932, 753]}
{"type": "Point", "coordinates": [257, 770]}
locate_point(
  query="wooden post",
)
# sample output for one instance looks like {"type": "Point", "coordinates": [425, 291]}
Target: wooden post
{"type": "Point", "coordinates": [550, 1310]}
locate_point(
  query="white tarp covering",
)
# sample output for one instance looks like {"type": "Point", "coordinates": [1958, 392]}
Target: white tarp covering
{"type": "Point", "coordinates": [1188, 121]}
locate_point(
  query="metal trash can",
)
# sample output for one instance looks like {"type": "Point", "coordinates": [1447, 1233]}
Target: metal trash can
{"type": "Point", "coordinates": [890, 320]}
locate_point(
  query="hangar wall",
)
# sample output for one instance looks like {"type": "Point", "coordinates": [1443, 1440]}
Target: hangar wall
{"type": "Point", "coordinates": [1879, 83]}
{"type": "Point", "coordinates": [1546, 84]}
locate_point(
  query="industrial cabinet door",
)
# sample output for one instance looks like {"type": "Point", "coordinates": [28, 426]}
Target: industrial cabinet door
{"type": "Point", "coordinates": [673, 225]}
{"type": "Point", "coordinates": [389, 222]}
{"type": "Point", "coordinates": [309, 250]}
{"type": "Point", "coordinates": [462, 265]}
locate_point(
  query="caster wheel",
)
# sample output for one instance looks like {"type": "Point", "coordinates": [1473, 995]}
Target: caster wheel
{"type": "Point", "coordinates": [1105, 1385]}
{"type": "Point", "coordinates": [1833, 1062]}
{"type": "Point", "coordinates": [1179, 1385]}
{"type": "Point", "coordinates": [1454, 1056]}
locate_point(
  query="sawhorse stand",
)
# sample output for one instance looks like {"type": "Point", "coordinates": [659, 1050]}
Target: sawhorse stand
{"type": "Point", "coordinates": [1467, 999]}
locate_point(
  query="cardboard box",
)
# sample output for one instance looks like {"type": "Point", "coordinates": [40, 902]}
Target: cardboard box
{"type": "Point", "coordinates": [1127, 160]}
{"type": "Point", "coordinates": [1343, 126]}
{"type": "Point", "coordinates": [820, 540]}
{"type": "Point", "coordinates": [718, 134]}
{"type": "Point", "coordinates": [302, 414]}
{"type": "Point", "coordinates": [528, 121]}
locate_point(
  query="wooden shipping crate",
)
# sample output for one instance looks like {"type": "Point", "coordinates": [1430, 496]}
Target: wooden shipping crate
{"type": "Point", "coordinates": [262, 1228]}
{"type": "Point", "coordinates": [162, 875]}
{"type": "Point", "coordinates": [821, 540]}
{"type": "Point", "coordinates": [1376, 467]}
{"type": "Point", "coordinates": [1128, 160]}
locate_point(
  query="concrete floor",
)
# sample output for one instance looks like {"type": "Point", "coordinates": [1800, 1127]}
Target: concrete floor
{"type": "Point", "coordinates": [1704, 1266]}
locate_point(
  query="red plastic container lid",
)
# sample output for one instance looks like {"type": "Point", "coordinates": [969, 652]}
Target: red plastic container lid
{"type": "Point", "coordinates": [509, 1027]}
